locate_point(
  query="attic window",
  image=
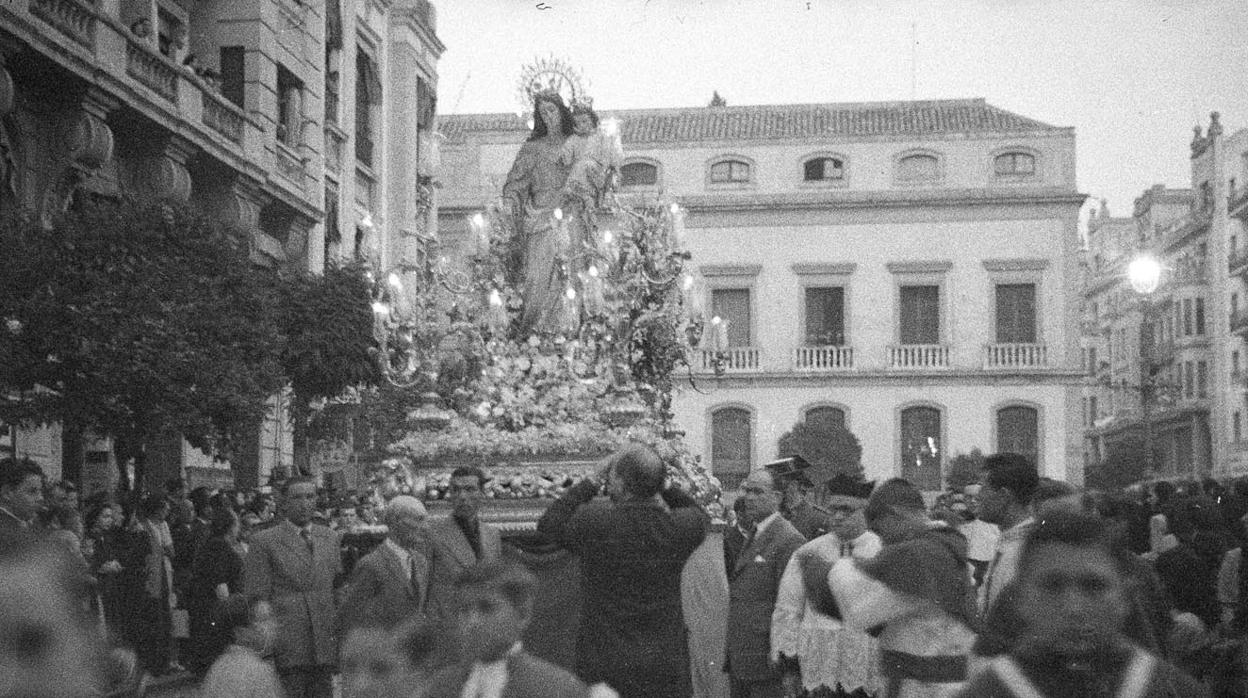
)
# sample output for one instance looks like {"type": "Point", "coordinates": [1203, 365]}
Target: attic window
{"type": "Point", "coordinates": [918, 168]}
{"type": "Point", "coordinates": [823, 170]}
{"type": "Point", "coordinates": [730, 171]}
{"type": "Point", "coordinates": [1014, 164]}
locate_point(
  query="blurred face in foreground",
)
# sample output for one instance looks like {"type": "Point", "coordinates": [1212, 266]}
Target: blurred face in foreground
{"type": "Point", "coordinates": [1072, 599]}
{"type": "Point", "coordinates": [370, 666]}
{"type": "Point", "coordinates": [45, 651]}
{"type": "Point", "coordinates": [488, 623]}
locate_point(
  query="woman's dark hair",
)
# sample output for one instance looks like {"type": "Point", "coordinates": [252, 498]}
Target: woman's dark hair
{"type": "Point", "coordinates": [222, 521]}
{"type": "Point", "coordinates": [93, 516]}
{"type": "Point", "coordinates": [539, 124]}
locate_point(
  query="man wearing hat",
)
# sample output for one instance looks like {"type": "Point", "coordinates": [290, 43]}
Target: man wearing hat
{"type": "Point", "coordinates": [794, 474]}
{"type": "Point", "coordinates": [915, 594]}
{"type": "Point", "coordinates": [816, 651]}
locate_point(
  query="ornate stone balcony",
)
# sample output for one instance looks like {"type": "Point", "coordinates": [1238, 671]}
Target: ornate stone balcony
{"type": "Point", "coordinates": [820, 359]}
{"type": "Point", "coordinates": [72, 18]}
{"type": "Point", "coordinates": [222, 116]}
{"type": "Point", "coordinates": [1015, 356]}
{"type": "Point", "coordinates": [289, 165]}
{"type": "Point", "coordinates": [731, 360]}
{"type": "Point", "coordinates": [152, 69]}
{"type": "Point", "coordinates": [918, 357]}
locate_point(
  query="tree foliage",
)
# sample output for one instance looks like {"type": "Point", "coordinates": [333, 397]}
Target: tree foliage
{"type": "Point", "coordinates": [831, 450]}
{"type": "Point", "coordinates": [1123, 466]}
{"type": "Point", "coordinates": [141, 320]}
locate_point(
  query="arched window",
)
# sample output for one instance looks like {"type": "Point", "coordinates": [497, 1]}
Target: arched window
{"type": "Point", "coordinates": [825, 417]}
{"type": "Point", "coordinates": [823, 169]}
{"type": "Point", "coordinates": [918, 168]}
{"type": "Point", "coordinates": [1018, 431]}
{"type": "Point", "coordinates": [730, 445]}
{"type": "Point", "coordinates": [730, 171]}
{"type": "Point", "coordinates": [921, 449]}
{"type": "Point", "coordinates": [1014, 164]}
{"type": "Point", "coordinates": [639, 174]}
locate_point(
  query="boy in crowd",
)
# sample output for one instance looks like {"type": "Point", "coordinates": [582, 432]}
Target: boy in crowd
{"type": "Point", "coordinates": [493, 606]}
{"type": "Point", "coordinates": [1073, 604]}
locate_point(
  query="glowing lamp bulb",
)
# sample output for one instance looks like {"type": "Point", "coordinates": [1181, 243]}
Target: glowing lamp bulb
{"type": "Point", "coordinates": [381, 308]}
{"type": "Point", "coordinates": [608, 237]}
{"type": "Point", "coordinates": [611, 126]}
{"type": "Point", "coordinates": [686, 282]}
{"type": "Point", "coordinates": [496, 299]}
{"type": "Point", "coordinates": [1144, 273]}
{"type": "Point", "coordinates": [478, 220]}
{"type": "Point", "coordinates": [558, 214]}
{"type": "Point", "coordinates": [593, 270]}
{"type": "Point", "coordinates": [570, 293]}
{"type": "Point", "coordinates": [530, 124]}
{"type": "Point", "coordinates": [715, 320]}
{"type": "Point", "coordinates": [395, 281]}
{"type": "Point", "coordinates": [674, 208]}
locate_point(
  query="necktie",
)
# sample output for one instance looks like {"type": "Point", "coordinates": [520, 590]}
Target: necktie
{"type": "Point", "coordinates": [307, 538]}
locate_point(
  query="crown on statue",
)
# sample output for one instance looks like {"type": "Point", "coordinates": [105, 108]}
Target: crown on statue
{"type": "Point", "coordinates": [550, 77]}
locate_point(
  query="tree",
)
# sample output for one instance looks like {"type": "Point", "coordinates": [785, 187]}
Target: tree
{"type": "Point", "coordinates": [831, 450]}
{"type": "Point", "coordinates": [1124, 465]}
{"type": "Point", "coordinates": [964, 469]}
{"type": "Point", "coordinates": [137, 320]}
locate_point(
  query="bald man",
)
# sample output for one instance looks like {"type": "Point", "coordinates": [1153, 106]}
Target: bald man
{"type": "Point", "coordinates": [391, 584]}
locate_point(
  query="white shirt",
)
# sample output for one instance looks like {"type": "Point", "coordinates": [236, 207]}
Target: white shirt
{"type": "Point", "coordinates": [488, 679]}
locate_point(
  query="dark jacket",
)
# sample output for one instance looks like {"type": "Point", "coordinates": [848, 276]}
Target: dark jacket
{"type": "Point", "coordinates": [380, 593]}
{"type": "Point", "coordinates": [632, 629]}
{"type": "Point", "coordinates": [752, 586]}
{"type": "Point", "coordinates": [527, 677]}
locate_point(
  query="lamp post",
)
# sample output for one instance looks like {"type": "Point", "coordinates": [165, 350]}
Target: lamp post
{"type": "Point", "coordinates": [1144, 274]}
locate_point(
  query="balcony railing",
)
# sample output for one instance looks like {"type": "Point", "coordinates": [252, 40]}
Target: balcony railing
{"type": "Point", "coordinates": [289, 165]}
{"type": "Point", "coordinates": [72, 18]}
{"type": "Point", "coordinates": [918, 356]}
{"type": "Point", "coordinates": [823, 358]}
{"type": "Point", "coordinates": [1015, 356]}
{"type": "Point", "coordinates": [731, 360]}
{"type": "Point", "coordinates": [222, 116]}
{"type": "Point", "coordinates": [1180, 229]}
{"type": "Point", "coordinates": [153, 70]}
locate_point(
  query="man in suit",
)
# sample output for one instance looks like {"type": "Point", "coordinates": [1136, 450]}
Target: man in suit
{"type": "Point", "coordinates": [294, 566]}
{"type": "Point", "coordinates": [632, 551]}
{"type": "Point", "coordinates": [460, 540]}
{"type": "Point", "coordinates": [21, 492]}
{"type": "Point", "coordinates": [390, 584]}
{"type": "Point", "coordinates": [493, 605]}
{"type": "Point", "coordinates": [752, 586]}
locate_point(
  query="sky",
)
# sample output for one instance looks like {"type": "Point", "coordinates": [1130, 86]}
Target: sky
{"type": "Point", "coordinates": [1131, 76]}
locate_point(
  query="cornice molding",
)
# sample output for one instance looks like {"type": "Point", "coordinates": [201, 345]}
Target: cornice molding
{"type": "Point", "coordinates": [830, 269]}
{"type": "Point", "coordinates": [730, 269]}
{"type": "Point", "coordinates": [1022, 264]}
{"type": "Point", "coordinates": [934, 266]}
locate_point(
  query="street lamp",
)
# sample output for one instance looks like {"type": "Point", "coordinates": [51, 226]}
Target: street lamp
{"type": "Point", "coordinates": [1144, 273]}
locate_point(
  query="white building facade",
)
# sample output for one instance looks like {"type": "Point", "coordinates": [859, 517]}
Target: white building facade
{"type": "Point", "coordinates": [909, 269]}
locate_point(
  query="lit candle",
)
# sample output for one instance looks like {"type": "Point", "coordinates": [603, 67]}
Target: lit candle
{"type": "Point", "coordinates": [720, 333]}
{"type": "Point", "coordinates": [678, 227]}
{"type": "Point", "coordinates": [497, 316]}
{"type": "Point", "coordinates": [592, 283]}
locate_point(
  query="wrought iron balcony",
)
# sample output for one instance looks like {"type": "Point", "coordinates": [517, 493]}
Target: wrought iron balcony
{"type": "Point", "coordinates": [731, 360]}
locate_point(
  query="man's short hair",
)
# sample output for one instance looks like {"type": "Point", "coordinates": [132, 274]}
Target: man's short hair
{"type": "Point", "coordinates": [13, 471]}
{"type": "Point", "coordinates": [513, 581]}
{"type": "Point", "coordinates": [422, 643]}
{"type": "Point", "coordinates": [641, 470]}
{"type": "Point", "coordinates": [297, 480]}
{"type": "Point", "coordinates": [890, 495]}
{"type": "Point", "coordinates": [471, 471]}
{"type": "Point", "coordinates": [400, 506]}
{"type": "Point", "coordinates": [1013, 472]}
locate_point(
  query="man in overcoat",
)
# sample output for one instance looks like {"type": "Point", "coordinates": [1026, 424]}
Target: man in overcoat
{"type": "Point", "coordinates": [391, 584]}
{"type": "Point", "coordinates": [459, 541]}
{"type": "Point", "coordinates": [295, 566]}
{"type": "Point", "coordinates": [632, 632]}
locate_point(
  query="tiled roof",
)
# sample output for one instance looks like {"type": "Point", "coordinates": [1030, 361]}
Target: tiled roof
{"type": "Point", "coordinates": [781, 121]}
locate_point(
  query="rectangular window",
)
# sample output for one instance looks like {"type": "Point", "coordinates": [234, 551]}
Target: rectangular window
{"type": "Point", "coordinates": [1189, 380]}
{"type": "Point", "coordinates": [1016, 313]}
{"type": "Point", "coordinates": [289, 109]}
{"type": "Point", "coordinates": [1092, 415]}
{"type": "Point", "coordinates": [1200, 316]}
{"type": "Point", "coordinates": [1092, 360]}
{"type": "Point", "coordinates": [733, 306]}
{"type": "Point", "coordinates": [1202, 379]}
{"type": "Point", "coordinates": [1187, 317]}
{"type": "Point", "coordinates": [232, 73]}
{"type": "Point", "coordinates": [1237, 429]}
{"type": "Point", "coordinates": [367, 105]}
{"type": "Point", "coordinates": [825, 316]}
{"type": "Point", "coordinates": [920, 315]}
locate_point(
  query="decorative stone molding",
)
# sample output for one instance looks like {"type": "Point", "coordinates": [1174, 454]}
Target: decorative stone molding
{"type": "Point", "coordinates": [241, 208]}
{"type": "Point", "coordinates": [936, 266]}
{"type": "Point", "coordinates": [1025, 264]}
{"type": "Point", "coordinates": [730, 269]}
{"type": "Point", "coordinates": [90, 141]}
{"type": "Point", "coordinates": [163, 177]}
{"type": "Point", "coordinates": [828, 269]}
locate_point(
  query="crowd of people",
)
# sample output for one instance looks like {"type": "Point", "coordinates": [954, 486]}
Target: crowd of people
{"type": "Point", "coordinates": [1017, 586]}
